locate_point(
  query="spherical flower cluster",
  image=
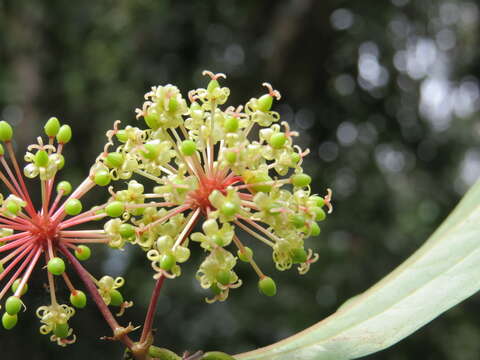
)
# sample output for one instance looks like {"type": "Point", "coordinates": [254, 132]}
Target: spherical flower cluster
{"type": "Point", "coordinates": [30, 234]}
{"type": "Point", "coordinates": [205, 162]}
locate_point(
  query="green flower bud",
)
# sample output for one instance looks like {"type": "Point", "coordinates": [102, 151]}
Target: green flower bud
{"type": "Point", "coordinates": [56, 266]}
{"type": "Point", "coordinates": [215, 289]}
{"type": "Point", "coordinates": [126, 230]}
{"type": "Point", "coordinates": [172, 104]}
{"type": "Point", "coordinates": [230, 156]}
{"type": "Point", "coordinates": [116, 297]}
{"type": "Point", "coordinates": [9, 321]}
{"type": "Point", "coordinates": [223, 277]}
{"type": "Point", "coordinates": [278, 140]}
{"type": "Point", "coordinates": [245, 256]}
{"type": "Point", "coordinates": [16, 284]}
{"type": "Point", "coordinates": [212, 85]}
{"type": "Point", "coordinates": [41, 158]}
{"type": "Point", "coordinates": [1, 268]}
{"type": "Point", "coordinates": [78, 299]}
{"type": "Point", "coordinates": [13, 305]}
{"type": "Point", "coordinates": [2, 150]}
{"type": "Point", "coordinates": [229, 208]}
{"type": "Point", "coordinates": [151, 150]}
{"type": "Point", "coordinates": [317, 200]}
{"type": "Point", "coordinates": [64, 186]}
{"type": "Point", "coordinates": [13, 207]}
{"type": "Point", "coordinates": [319, 213]}
{"type": "Point", "coordinates": [61, 330]}
{"type": "Point", "coordinates": [231, 124]}
{"type": "Point", "coordinates": [188, 147]}
{"type": "Point", "coordinates": [315, 229]}
{"type": "Point", "coordinates": [61, 162]}
{"type": "Point", "coordinates": [295, 157]}
{"type": "Point", "coordinates": [6, 131]}
{"type": "Point", "coordinates": [64, 134]}
{"type": "Point", "coordinates": [102, 178]}
{"type": "Point", "coordinates": [115, 209]}
{"type": "Point", "coordinates": [52, 126]}
{"type": "Point", "coordinates": [151, 118]}
{"type": "Point", "coordinates": [267, 286]}
{"type": "Point", "coordinates": [121, 136]}
{"type": "Point", "coordinates": [167, 261]}
{"type": "Point", "coordinates": [83, 252]}
{"type": "Point", "coordinates": [297, 220]}
{"type": "Point", "coordinates": [265, 103]}
{"type": "Point", "coordinates": [299, 255]}
{"type": "Point", "coordinates": [114, 160]}
{"type": "Point", "coordinates": [301, 180]}
{"type": "Point", "coordinates": [73, 207]}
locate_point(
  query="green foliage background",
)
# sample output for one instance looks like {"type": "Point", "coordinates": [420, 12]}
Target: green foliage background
{"type": "Point", "coordinates": [385, 94]}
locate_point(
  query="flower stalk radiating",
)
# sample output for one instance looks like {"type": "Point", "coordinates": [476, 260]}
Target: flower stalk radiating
{"type": "Point", "coordinates": [232, 170]}
{"type": "Point", "coordinates": [31, 235]}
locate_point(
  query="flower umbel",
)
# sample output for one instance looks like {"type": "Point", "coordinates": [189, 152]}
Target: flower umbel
{"type": "Point", "coordinates": [206, 163]}
{"type": "Point", "coordinates": [31, 234]}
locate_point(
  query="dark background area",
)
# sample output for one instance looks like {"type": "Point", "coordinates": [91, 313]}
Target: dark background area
{"type": "Point", "coordinates": [384, 93]}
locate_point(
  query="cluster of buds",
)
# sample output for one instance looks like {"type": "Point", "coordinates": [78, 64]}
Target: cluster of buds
{"type": "Point", "coordinates": [201, 163]}
{"type": "Point", "coordinates": [29, 234]}
{"type": "Point", "coordinates": [205, 163]}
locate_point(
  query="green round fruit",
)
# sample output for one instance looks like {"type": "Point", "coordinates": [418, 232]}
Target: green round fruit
{"type": "Point", "coordinates": [102, 178]}
{"type": "Point", "coordinates": [188, 147]}
{"type": "Point", "coordinates": [115, 209]}
{"type": "Point", "coordinates": [245, 256]}
{"type": "Point", "coordinates": [9, 321]}
{"type": "Point", "coordinates": [64, 134]}
{"type": "Point", "coordinates": [126, 230]}
{"type": "Point", "coordinates": [267, 286]}
{"type": "Point", "coordinates": [64, 186]}
{"type": "Point", "coordinates": [56, 266]}
{"type": "Point", "coordinates": [278, 140]}
{"type": "Point", "coordinates": [114, 159]}
{"type": "Point", "coordinates": [73, 207]}
{"type": "Point", "coordinates": [83, 252]}
{"type": "Point", "coordinates": [16, 284]}
{"type": "Point", "coordinates": [6, 131]}
{"type": "Point", "coordinates": [13, 305]}
{"type": "Point", "coordinates": [78, 299]}
{"type": "Point", "coordinates": [51, 127]}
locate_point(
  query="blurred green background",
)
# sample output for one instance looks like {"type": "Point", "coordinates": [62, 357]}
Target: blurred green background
{"type": "Point", "coordinates": [384, 93]}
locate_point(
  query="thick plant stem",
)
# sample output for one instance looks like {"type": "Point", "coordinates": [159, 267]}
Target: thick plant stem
{"type": "Point", "coordinates": [107, 314]}
{"type": "Point", "coordinates": [152, 307]}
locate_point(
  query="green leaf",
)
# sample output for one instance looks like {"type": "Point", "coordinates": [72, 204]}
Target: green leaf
{"type": "Point", "coordinates": [439, 275]}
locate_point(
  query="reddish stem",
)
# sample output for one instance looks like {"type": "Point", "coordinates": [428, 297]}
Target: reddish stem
{"type": "Point", "coordinates": [92, 289]}
{"type": "Point", "coordinates": [152, 308]}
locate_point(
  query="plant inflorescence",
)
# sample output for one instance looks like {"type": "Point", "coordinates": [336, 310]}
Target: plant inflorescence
{"type": "Point", "coordinates": [230, 170]}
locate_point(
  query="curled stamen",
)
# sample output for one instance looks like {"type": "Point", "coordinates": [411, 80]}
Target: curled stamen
{"type": "Point", "coordinates": [123, 306]}
{"type": "Point", "coordinates": [274, 93]}
{"type": "Point", "coordinates": [328, 198]}
{"type": "Point", "coordinates": [192, 96]}
{"type": "Point", "coordinates": [214, 76]}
